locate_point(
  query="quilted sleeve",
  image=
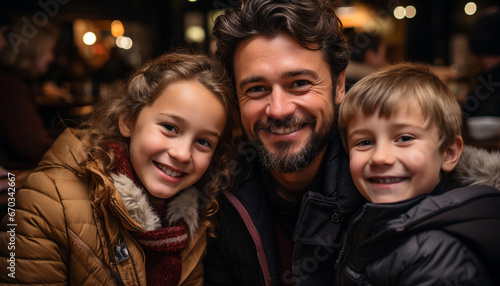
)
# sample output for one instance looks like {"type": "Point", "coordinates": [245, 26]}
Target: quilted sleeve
{"type": "Point", "coordinates": [33, 237]}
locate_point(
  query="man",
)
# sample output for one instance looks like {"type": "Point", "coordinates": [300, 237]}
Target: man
{"type": "Point", "coordinates": [284, 220]}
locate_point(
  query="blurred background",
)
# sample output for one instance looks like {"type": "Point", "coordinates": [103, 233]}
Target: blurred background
{"type": "Point", "coordinates": [97, 43]}
{"type": "Point", "coordinates": [58, 56]}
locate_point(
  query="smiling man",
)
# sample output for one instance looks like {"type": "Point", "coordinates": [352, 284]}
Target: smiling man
{"type": "Point", "coordinates": [283, 222]}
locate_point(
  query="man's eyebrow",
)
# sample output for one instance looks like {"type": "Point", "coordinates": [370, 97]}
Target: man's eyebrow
{"type": "Point", "coordinates": [250, 80]}
{"type": "Point", "coordinates": [301, 72]}
{"type": "Point", "coordinates": [284, 75]}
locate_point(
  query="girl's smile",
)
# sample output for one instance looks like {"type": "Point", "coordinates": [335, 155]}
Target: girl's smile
{"type": "Point", "coordinates": [173, 139]}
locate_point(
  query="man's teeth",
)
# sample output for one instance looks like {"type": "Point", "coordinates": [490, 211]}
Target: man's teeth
{"type": "Point", "coordinates": [287, 130]}
{"type": "Point", "coordinates": [169, 172]}
{"type": "Point", "coordinates": [388, 180]}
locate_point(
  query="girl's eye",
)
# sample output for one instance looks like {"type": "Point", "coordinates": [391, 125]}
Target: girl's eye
{"type": "Point", "coordinates": [204, 143]}
{"type": "Point", "coordinates": [364, 143]}
{"type": "Point", "coordinates": [170, 128]}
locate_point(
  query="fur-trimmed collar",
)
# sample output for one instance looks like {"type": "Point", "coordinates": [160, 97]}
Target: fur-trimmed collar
{"type": "Point", "coordinates": [184, 206]}
{"type": "Point", "coordinates": [478, 167]}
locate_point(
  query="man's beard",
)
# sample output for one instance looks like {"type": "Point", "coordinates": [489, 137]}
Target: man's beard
{"type": "Point", "coordinates": [283, 161]}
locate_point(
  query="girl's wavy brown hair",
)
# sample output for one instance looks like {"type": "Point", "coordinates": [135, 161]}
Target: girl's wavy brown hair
{"type": "Point", "coordinates": [142, 89]}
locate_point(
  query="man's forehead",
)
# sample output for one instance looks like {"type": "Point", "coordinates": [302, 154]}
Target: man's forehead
{"type": "Point", "coordinates": [259, 54]}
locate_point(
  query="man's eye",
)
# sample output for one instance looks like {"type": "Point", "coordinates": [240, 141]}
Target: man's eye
{"type": "Point", "coordinates": [301, 83]}
{"type": "Point", "coordinates": [255, 89]}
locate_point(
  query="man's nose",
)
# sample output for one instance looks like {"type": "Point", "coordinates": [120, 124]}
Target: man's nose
{"type": "Point", "coordinates": [280, 104]}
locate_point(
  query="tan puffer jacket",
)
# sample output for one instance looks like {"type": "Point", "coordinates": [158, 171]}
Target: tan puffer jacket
{"type": "Point", "coordinates": [63, 237]}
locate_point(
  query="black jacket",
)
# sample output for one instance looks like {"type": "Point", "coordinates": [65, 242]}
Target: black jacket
{"type": "Point", "coordinates": [237, 258]}
{"type": "Point", "coordinates": [449, 238]}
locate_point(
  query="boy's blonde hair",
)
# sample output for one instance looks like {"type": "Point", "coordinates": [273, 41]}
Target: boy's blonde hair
{"type": "Point", "coordinates": [391, 87]}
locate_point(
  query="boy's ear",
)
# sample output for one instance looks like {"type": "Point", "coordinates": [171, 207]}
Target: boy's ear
{"type": "Point", "coordinates": [452, 154]}
{"type": "Point", "coordinates": [124, 124]}
{"type": "Point", "coordinates": [340, 89]}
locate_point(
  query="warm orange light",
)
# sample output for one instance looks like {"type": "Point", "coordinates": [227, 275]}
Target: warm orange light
{"type": "Point", "coordinates": [353, 17]}
{"type": "Point", "coordinates": [117, 28]}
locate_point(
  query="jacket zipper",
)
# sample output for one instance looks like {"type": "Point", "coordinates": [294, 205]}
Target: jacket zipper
{"type": "Point", "coordinates": [113, 275]}
{"type": "Point", "coordinates": [346, 248]}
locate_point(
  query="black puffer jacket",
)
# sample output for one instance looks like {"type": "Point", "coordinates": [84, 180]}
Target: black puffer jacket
{"type": "Point", "coordinates": [449, 237]}
{"type": "Point", "coordinates": [245, 252]}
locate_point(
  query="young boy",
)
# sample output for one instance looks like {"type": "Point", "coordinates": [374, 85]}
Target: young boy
{"type": "Point", "coordinates": [401, 127]}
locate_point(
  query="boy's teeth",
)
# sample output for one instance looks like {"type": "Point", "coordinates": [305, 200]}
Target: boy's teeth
{"type": "Point", "coordinates": [169, 172]}
{"type": "Point", "coordinates": [282, 131]}
{"type": "Point", "coordinates": [388, 180]}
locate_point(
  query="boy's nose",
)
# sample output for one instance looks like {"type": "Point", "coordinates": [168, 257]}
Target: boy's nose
{"type": "Point", "coordinates": [382, 155]}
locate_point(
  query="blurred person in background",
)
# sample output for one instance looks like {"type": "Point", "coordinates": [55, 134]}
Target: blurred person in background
{"type": "Point", "coordinates": [484, 41]}
{"type": "Point", "coordinates": [368, 54]}
{"type": "Point", "coordinates": [4, 27]}
{"type": "Point", "coordinates": [23, 136]}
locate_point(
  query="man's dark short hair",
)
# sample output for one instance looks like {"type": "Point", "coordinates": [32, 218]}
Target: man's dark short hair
{"type": "Point", "coordinates": [312, 23]}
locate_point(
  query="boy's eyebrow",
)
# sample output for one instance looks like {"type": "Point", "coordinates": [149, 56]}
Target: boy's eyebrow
{"type": "Point", "coordinates": [181, 120]}
{"type": "Point", "coordinates": [349, 135]}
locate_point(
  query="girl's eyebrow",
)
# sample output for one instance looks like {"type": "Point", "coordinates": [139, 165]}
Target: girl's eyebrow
{"type": "Point", "coordinates": [175, 117]}
{"type": "Point", "coordinates": [181, 120]}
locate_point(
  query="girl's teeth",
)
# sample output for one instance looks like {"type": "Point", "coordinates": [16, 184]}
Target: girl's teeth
{"type": "Point", "coordinates": [169, 172]}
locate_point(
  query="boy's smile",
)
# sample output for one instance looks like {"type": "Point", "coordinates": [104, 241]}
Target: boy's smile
{"type": "Point", "coordinates": [396, 158]}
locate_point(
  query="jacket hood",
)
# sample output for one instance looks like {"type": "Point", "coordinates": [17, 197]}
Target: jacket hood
{"type": "Point", "coordinates": [478, 167]}
{"type": "Point", "coordinates": [184, 206]}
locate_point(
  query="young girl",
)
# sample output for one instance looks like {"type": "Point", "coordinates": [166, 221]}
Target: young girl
{"type": "Point", "coordinates": [128, 199]}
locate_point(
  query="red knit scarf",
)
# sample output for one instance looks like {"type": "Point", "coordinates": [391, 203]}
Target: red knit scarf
{"type": "Point", "coordinates": [162, 246]}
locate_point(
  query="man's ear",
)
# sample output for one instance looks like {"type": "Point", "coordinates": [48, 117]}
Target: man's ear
{"type": "Point", "coordinates": [340, 89]}
{"type": "Point", "coordinates": [125, 126]}
{"type": "Point", "coordinates": [452, 154]}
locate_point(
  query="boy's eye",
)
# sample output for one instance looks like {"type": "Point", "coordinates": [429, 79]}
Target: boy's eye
{"type": "Point", "coordinates": [405, 138]}
{"type": "Point", "coordinates": [169, 128]}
